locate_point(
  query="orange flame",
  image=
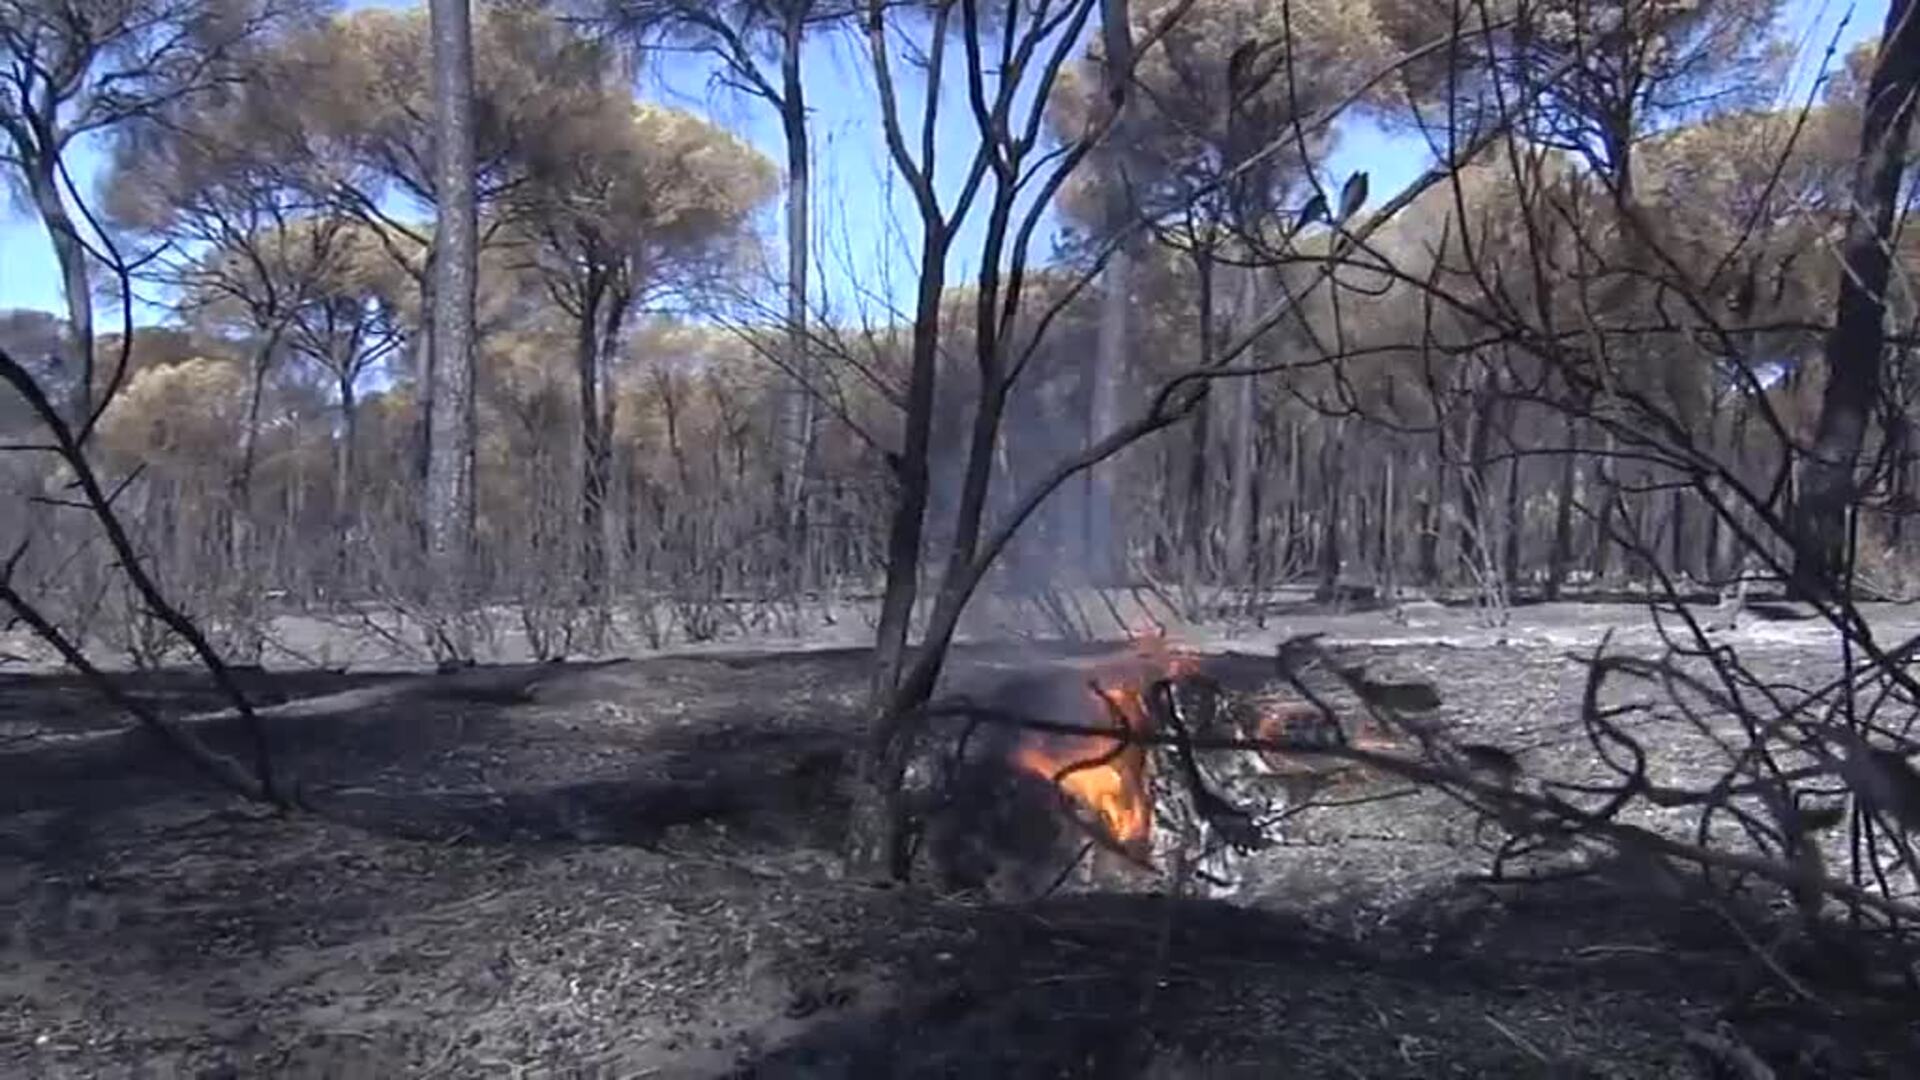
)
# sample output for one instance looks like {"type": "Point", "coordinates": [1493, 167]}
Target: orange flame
{"type": "Point", "coordinates": [1113, 790]}
{"type": "Point", "coordinates": [1113, 786]}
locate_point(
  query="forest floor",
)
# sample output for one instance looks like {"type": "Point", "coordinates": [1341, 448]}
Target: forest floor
{"type": "Point", "coordinates": [629, 869]}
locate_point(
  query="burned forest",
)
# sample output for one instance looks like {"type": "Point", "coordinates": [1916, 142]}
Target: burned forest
{"type": "Point", "coordinates": [959, 538]}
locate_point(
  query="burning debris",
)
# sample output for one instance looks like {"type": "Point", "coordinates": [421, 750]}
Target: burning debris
{"type": "Point", "coordinates": [1012, 802]}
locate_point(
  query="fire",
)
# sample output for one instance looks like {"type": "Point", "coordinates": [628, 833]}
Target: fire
{"type": "Point", "coordinates": [1103, 775]}
{"type": "Point", "coordinates": [1108, 779]}
{"type": "Point", "coordinates": [1115, 791]}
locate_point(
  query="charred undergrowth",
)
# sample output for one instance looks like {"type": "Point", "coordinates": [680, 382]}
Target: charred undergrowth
{"type": "Point", "coordinates": [633, 868]}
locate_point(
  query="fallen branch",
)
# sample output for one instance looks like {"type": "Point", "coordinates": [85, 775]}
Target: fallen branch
{"type": "Point", "coordinates": [68, 446]}
{"type": "Point", "coordinates": [221, 769]}
{"type": "Point", "coordinates": [1496, 801]}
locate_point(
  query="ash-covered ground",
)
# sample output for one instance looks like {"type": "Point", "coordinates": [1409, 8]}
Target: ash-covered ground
{"type": "Point", "coordinates": [631, 869]}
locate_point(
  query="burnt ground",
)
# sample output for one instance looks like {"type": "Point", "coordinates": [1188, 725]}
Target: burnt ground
{"type": "Point", "coordinates": [629, 870]}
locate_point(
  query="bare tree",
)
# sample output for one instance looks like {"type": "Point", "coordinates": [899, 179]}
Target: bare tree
{"type": "Point", "coordinates": [1006, 333]}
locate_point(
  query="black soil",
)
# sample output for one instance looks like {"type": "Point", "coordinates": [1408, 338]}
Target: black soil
{"type": "Point", "coordinates": [630, 870]}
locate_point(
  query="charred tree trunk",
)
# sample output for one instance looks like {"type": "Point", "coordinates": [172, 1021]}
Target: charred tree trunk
{"type": "Point", "coordinates": [1388, 559]}
{"type": "Point", "coordinates": [593, 478]}
{"type": "Point", "coordinates": [450, 502]}
{"type": "Point", "coordinates": [242, 543]}
{"type": "Point", "coordinates": [1427, 528]}
{"type": "Point", "coordinates": [1609, 496]}
{"type": "Point", "coordinates": [1559, 551]}
{"type": "Point", "coordinates": [1855, 345]}
{"type": "Point", "coordinates": [1512, 530]}
{"type": "Point", "coordinates": [873, 829]}
{"type": "Point", "coordinates": [602, 314]}
{"type": "Point", "coordinates": [1098, 541]}
{"type": "Point", "coordinates": [1331, 453]}
{"type": "Point", "coordinates": [1292, 548]}
{"type": "Point", "coordinates": [1473, 487]}
{"type": "Point", "coordinates": [421, 443]}
{"type": "Point", "coordinates": [1680, 554]}
{"type": "Point", "coordinates": [1240, 435]}
{"type": "Point", "coordinates": [346, 517]}
{"type": "Point", "coordinates": [797, 423]}
{"type": "Point", "coordinates": [607, 528]}
{"type": "Point", "coordinates": [1194, 534]}
{"type": "Point", "coordinates": [1110, 354]}
{"type": "Point", "coordinates": [423, 381]}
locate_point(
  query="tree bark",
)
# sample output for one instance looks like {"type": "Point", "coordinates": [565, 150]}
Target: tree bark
{"type": "Point", "coordinates": [1240, 464]}
{"type": "Point", "coordinates": [596, 334]}
{"type": "Point", "coordinates": [1608, 491]}
{"type": "Point", "coordinates": [1116, 297]}
{"type": "Point", "coordinates": [1513, 530]}
{"type": "Point", "coordinates": [1297, 511]}
{"type": "Point", "coordinates": [345, 515]}
{"type": "Point", "coordinates": [797, 421]}
{"type": "Point", "coordinates": [424, 388]}
{"type": "Point", "coordinates": [70, 254]}
{"type": "Point", "coordinates": [1331, 454]}
{"type": "Point", "coordinates": [1194, 531]}
{"type": "Point", "coordinates": [1473, 488]}
{"type": "Point", "coordinates": [873, 829]}
{"type": "Point", "coordinates": [1389, 559]}
{"type": "Point", "coordinates": [1559, 553]}
{"type": "Point", "coordinates": [242, 553]}
{"type": "Point", "coordinates": [450, 503]}
{"type": "Point", "coordinates": [1098, 539]}
{"type": "Point", "coordinates": [1427, 526]}
{"type": "Point", "coordinates": [1857, 340]}
{"type": "Point", "coordinates": [606, 527]}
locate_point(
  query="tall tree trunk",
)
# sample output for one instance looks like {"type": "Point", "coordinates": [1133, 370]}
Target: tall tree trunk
{"type": "Point", "coordinates": [1899, 441]}
{"type": "Point", "coordinates": [873, 829]}
{"type": "Point", "coordinates": [594, 463]}
{"type": "Point", "coordinates": [1110, 355]}
{"type": "Point", "coordinates": [1259, 544]}
{"type": "Point", "coordinates": [242, 544]}
{"type": "Point", "coordinates": [1291, 550]}
{"type": "Point", "coordinates": [70, 254]}
{"type": "Point", "coordinates": [1194, 530]}
{"type": "Point", "coordinates": [424, 382]}
{"type": "Point", "coordinates": [1729, 554]}
{"type": "Point", "coordinates": [1240, 453]}
{"type": "Point", "coordinates": [1680, 553]}
{"type": "Point", "coordinates": [1098, 523]}
{"type": "Point", "coordinates": [606, 527]}
{"type": "Point", "coordinates": [797, 421]}
{"type": "Point", "coordinates": [1473, 486]}
{"type": "Point", "coordinates": [1098, 542]}
{"type": "Point", "coordinates": [1332, 453]}
{"type": "Point", "coordinates": [1427, 524]}
{"type": "Point", "coordinates": [1389, 556]}
{"type": "Point", "coordinates": [450, 495]}
{"type": "Point", "coordinates": [1608, 491]}
{"type": "Point", "coordinates": [1858, 337]}
{"type": "Point", "coordinates": [1514, 533]}
{"type": "Point", "coordinates": [1560, 551]}
{"type": "Point", "coordinates": [346, 518]}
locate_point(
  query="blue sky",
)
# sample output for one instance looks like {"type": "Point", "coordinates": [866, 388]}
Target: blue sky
{"type": "Point", "coordinates": [861, 208]}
